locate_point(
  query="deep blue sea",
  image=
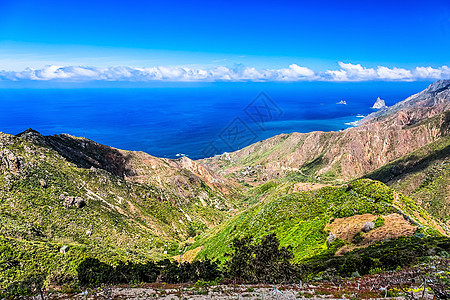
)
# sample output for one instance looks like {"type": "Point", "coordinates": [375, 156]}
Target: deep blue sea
{"type": "Point", "coordinates": [194, 119]}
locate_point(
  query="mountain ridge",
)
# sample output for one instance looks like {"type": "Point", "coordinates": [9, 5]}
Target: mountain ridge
{"type": "Point", "coordinates": [382, 137]}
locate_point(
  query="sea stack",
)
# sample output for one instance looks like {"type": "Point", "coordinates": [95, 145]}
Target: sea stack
{"type": "Point", "coordinates": [379, 104]}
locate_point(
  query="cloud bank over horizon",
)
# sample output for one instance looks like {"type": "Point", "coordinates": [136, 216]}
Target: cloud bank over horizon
{"type": "Point", "coordinates": [347, 72]}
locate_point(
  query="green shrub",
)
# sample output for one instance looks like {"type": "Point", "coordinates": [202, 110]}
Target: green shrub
{"type": "Point", "coordinates": [265, 262]}
{"type": "Point", "coordinates": [379, 222]}
{"type": "Point", "coordinates": [173, 272]}
{"type": "Point", "coordinates": [92, 272]}
{"type": "Point", "coordinates": [30, 286]}
{"type": "Point", "coordinates": [387, 255]}
{"type": "Point", "coordinates": [358, 238]}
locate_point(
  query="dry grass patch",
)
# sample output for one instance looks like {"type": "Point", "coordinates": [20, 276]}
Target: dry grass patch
{"type": "Point", "coordinates": [395, 225]}
{"type": "Point", "coordinates": [188, 255]}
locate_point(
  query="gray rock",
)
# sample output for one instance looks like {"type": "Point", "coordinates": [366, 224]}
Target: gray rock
{"type": "Point", "coordinates": [71, 201]}
{"type": "Point", "coordinates": [356, 274]}
{"type": "Point", "coordinates": [379, 104]}
{"type": "Point", "coordinates": [10, 160]}
{"type": "Point", "coordinates": [368, 226]}
{"type": "Point", "coordinates": [331, 238]}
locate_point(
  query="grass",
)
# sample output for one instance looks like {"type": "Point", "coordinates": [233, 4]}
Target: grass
{"type": "Point", "coordinates": [143, 222]}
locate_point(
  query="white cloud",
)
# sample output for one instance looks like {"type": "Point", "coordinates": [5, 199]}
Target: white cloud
{"type": "Point", "coordinates": [430, 73]}
{"type": "Point", "coordinates": [294, 72]}
{"type": "Point", "coordinates": [352, 72]}
{"type": "Point", "coordinates": [394, 73]}
{"type": "Point", "coordinates": [347, 72]}
{"type": "Point", "coordinates": [357, 71]}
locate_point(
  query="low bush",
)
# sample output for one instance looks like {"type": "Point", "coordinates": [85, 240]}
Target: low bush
{"type": "Point", "coordinates": [388, 255]}
{"type": "Point", "coordinates": [265, 262]}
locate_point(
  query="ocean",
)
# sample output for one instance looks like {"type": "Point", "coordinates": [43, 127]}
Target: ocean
{"type": "Point", "coordinates": [193, 119]}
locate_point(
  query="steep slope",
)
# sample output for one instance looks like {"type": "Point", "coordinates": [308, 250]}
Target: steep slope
{"type": "Point", "coordinates": [335, 156]}
{"type": "Point", "coordinates": [183, 178]}
{"type": "Point", "coordinates": [426, 104]}
{"type": "Point", "coordinates": [423, 175]}
{"type": "Point", "coordinates": [45, 197]}
{"type": "Point", "coordinates": [90, 200]}
{"type": "Point", "coordinates": [324, 220]}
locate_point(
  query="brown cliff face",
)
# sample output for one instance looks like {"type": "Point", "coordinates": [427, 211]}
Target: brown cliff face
{"type": "Point", "coordinates": [382, 137]}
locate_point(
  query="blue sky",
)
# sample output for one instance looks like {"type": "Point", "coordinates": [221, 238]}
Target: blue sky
{"type": "Point", "coordinates": [202, 36]}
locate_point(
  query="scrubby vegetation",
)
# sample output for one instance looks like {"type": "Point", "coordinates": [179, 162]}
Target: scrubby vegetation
{"type": "Point", "coordinates": [382, 256]}
{"type": "Point", "coordinates": [248, 261]}
{"type": "Point", "coordinates": [67, 225]}
{"type": "Point", "coordinates": [423, 175]}
{"type": "Point", "coordinates": [118, 221]}
{"type": "Point", "coordinates": [299, 219]}
{"type": "Point", "coordinates": [265, 262]}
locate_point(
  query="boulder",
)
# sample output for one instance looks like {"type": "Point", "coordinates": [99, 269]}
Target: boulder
{"type": "Point", "coordinates": [331, 237]}
{"type": "Point", "coordinates": [368, 226]}
{"type": "Point", "coordinates": [71, 201]}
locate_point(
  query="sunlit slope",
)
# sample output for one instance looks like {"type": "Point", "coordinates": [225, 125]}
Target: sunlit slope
{"type": "Point", "coordinates": [306, 220]}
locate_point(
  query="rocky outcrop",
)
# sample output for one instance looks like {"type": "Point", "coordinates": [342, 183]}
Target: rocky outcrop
{"type": "Point", "coordinates": [379, 104]}
{"type": "Point", "coordinates": [11, 161]}
{"type": "Point", "coordinates": [430, 102]}
{"type": "Point", "coordinates": [71, 201]}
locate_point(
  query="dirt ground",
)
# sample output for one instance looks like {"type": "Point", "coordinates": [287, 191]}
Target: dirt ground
{"type": "Point", "coordinates": [357, 289]}
{"type": "Point", "coordinates": [419, 282]}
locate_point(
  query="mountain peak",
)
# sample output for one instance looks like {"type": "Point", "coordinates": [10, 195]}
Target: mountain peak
{"type": "Point", "coordinates": [29, 131]}
{"type": "Point", "coordinates": [438, 86]}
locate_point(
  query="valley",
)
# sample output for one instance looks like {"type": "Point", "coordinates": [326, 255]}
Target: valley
{"type": "Point", "coordinates": [340, 203]}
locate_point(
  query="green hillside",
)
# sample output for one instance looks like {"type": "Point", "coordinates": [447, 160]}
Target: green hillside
{"type": "Point", "coordinates": [47, 202]}
{"type": "Point", "coordinates": [299, 219]}
{"type": "Point", "coordinates": [423, 175]}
